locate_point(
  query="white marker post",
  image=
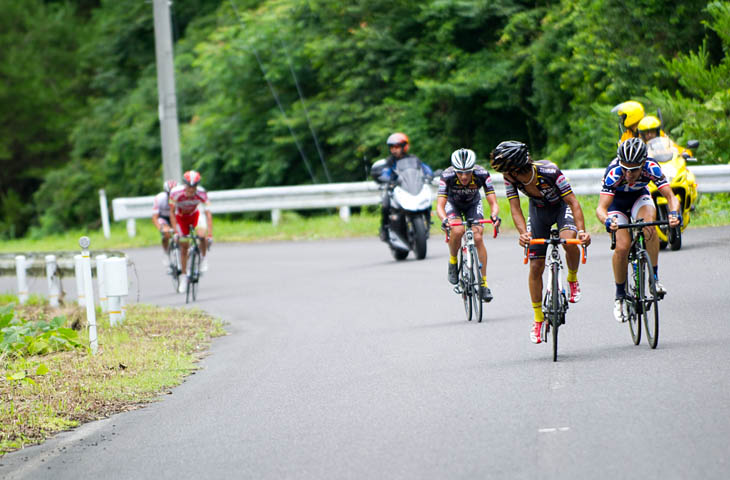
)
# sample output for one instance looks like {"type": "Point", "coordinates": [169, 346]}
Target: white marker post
{"type": "Point", "coordinates": [103, 299]}
{"type": "Point", "coordinates": [79, 274]}
{"type": "Point", "coordinates": [104, 213]}
{"type": "Point", "coordinates": [115, 282]}
{"type": "Point", "coordinates": [53, 280]}
{"type": "Point", "coordinates": [20, 267]}
{"type": "Point", "coordinates": [89, 293]}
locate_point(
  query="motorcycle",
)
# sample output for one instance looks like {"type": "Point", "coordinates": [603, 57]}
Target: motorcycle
{"type": "Point", "coordinates": [410, 207]}
{"type": "Point", "coordinates": [673, 161]}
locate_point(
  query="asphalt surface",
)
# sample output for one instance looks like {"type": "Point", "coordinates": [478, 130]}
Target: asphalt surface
{"type": "Point", "coordinates": [342, 363]}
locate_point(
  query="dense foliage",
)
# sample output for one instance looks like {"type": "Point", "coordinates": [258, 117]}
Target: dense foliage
{"type": "Point", "coordinates": [259, 80]}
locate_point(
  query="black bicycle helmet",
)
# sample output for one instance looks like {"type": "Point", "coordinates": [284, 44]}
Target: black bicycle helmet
{"type": "Point", "coordinates": [510, 156]}
{"type": "Point", "coordinates": [632, 151]}
{"type": "Point", "coordinates": [463, 160]}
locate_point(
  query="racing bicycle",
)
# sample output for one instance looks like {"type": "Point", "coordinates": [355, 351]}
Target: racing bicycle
{"type": "Point", "coordinates": [642, 299]}
{"type": "Point", "coordinates": [173, 255]}
{"type": "Point", "coordinates": [470, 276]}
{"type": "Point", "coordinates": [555, 303]}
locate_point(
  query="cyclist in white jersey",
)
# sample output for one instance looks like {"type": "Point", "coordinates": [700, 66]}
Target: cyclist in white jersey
{"type": "Point", "coordinates": [161, 217]}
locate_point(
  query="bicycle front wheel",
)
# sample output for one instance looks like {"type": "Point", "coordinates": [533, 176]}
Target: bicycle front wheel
{"type": "Point", "coordinates": [635, 282]}
{"type": "Point", "coordinates": [476, 298]}
{"type": "Point", "coordinates": [555, 310]}
{"type": "Point", "coordinates": [194, 261]}
{"type": "Point", "coordinates": [650, 303]}
{"type": "Point", "coordinates": [465, 285]}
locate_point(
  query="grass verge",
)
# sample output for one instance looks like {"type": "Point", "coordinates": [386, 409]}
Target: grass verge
{"type": "Point", "coordinates": [711, 210]}
{"type": "Point", "coordinates": [151, 352]}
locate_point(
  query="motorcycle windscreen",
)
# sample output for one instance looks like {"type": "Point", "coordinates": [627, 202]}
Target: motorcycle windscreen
{"type": "Point", "coordinates": [661, 149]}
{"type": "Point", "coordinates": [410, 175]}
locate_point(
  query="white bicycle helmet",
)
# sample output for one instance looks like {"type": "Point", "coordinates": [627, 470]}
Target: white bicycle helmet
{"type": "Point", "coordinates": [632, 151]}
{"type": "Point", "coordinates": [463, 160]}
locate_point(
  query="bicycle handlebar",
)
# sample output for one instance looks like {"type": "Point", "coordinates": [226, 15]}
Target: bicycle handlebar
{"type": "Point", "coordinates": [636, 226]}
{"type": "Point", "coordinates": [556, 241]}
{"type": "Point", "coordinates": [469, 223]}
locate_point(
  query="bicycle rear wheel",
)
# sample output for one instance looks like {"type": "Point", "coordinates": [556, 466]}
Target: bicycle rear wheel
{"type": "Point", "coordinates": [635, 281]}
{"type": "Point", "coordinates": [650, 303]}
{"type": "Point", "coordinates": [555, 307]}
{"type": "Point", "coordinates": [173, 254]}
{"type": "Point", "coordinates": [476, 298]}
{"type": "Point", "coordinates": [465, 285]}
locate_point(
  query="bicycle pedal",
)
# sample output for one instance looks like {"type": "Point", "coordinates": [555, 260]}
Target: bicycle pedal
{"type": "Point", "coordinates": [458, 290]}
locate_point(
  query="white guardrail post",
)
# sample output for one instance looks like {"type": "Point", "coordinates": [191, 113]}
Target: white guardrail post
{"type": "Point", "coordinates": [89, 293]}
{"type": "Point", "coordinates": [54, 283]}
{"type": "Point", "coordinates": [20, 267]}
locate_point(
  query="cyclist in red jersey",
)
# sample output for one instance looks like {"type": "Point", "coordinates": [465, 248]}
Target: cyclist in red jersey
{"type": "Point", "coordinates": [184, 202]}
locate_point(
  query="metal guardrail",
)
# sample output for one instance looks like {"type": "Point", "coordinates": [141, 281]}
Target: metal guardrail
{"type": "Point", "coordinates": [36, 262]}
{"type": "Point", "coordinates": [710, 179]}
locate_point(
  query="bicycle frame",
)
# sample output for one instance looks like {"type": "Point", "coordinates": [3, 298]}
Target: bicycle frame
{"type": "Point", "coordinates": [469, 268]}
{"type": "Point", "coordinates": [639, 301]}
{"type": "Point", "coordinates": [554, 304]}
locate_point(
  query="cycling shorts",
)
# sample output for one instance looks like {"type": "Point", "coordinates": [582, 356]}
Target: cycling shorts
{"type": "Point", "coordinates": [162, 221]}
{"type": "Point", "coordinates": [471, 211]}
{"type": "Point", "coordinates": [184, 222]}
{"type": "Point", "coordinates": [541, 221]}
{"type": "Point", "coordinates": [627, 206]}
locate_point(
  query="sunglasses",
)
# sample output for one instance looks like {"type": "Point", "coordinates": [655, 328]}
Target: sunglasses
{"type": "Point", "coordinates": [626, 167]}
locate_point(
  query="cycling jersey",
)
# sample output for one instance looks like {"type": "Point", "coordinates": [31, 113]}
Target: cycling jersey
{"type": "Point", "coordinates": [463, 195]}
{"type": "Point", "coordinates": [161, 205]}
{"type": "Point", "coordinates": [185, 205]}
{"type": "Point", "coordinates": [615, 182]}
{"type": "Point", "coordinates": [550, 181]}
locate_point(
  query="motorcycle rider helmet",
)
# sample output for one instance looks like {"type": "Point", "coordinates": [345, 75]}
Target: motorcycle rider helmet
{"type": "Point", "coordinates": [463, 160]}
{"type": "Point", "coordinates": [510, 156]}
{"type": "Point", "coordinates": [648, 124]}
{"type": "Point", "coordinates": [191, 178]}
{"type": "Point", "coordinates": [632, 152]}
{"type": "Point", "coordinates": [169, 185]}
{"type": "Point", "coordinates": [631, 112]}
{"type": "Point", "coordinates": [399, 139]}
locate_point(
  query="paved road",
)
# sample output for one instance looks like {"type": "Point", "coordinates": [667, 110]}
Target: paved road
{"type": "Point", "coordinates": [342, 363]}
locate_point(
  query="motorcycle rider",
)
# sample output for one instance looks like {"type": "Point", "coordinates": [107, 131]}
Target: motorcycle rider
{"type": "Point", "coordinates": [650, 127]}
{"type": "Point", "coordinates": [552, 201]}
{"type": "Point", "coordinates": [631, 112]}
{"type": "Point", "coordinates": [625, 196]}
{"type": "Point", "coordinates": [398, 144]}
{"type": "Point", "coordinates": [458, 195]}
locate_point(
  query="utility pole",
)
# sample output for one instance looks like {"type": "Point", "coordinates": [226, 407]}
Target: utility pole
{"type": "Point", "coordinates": [166, 92]}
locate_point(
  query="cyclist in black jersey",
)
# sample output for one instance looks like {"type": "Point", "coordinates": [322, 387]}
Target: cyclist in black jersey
{"type": "Point", "coordinates": [551, 202]}
{"type": "Point", "coordinates": [459, 195]}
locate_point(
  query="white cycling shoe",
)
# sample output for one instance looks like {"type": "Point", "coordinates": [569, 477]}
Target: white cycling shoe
{"type": "Point", "coordinates": [619, 310]}
{"type": "Point", "coordinates": [204, 265]}
{"type": "Point", "coordinates": [183, 284]}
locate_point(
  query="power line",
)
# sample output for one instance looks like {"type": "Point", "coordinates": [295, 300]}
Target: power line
{"type": "Point", "coordinates": [278, 102]}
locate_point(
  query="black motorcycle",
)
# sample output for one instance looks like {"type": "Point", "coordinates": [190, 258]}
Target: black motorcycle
{"type": "Point", "coordinates": [410, 207]}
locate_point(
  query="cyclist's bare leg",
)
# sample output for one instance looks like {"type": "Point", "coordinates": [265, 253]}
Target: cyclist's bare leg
{"type": "Point", "coordinates": [537, 267]}
{"type": "Point", "coordinates": [481, 248]}
{"type": "Point", "coordinates": [183, 255]}
{"type": "Point", "coordinates": [621, 255]}
{"type": "Point", "coordinates": [166, 234]}
{"type": "Point", "coordinates": [201, 232]}
{"type": "Point", "coordinates": [572, 253]}
{"type": "Point", "coordinates": [648, 213]}
{"type": "Point", "coordinates": [455, 240]}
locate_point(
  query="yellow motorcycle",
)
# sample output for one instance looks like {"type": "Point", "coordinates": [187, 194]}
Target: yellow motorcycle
{"type": "Point", "coordinates": [673, 160]}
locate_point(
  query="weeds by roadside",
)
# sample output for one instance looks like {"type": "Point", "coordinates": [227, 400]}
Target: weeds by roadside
{"type": "Point", "coordinates": [152, 351]}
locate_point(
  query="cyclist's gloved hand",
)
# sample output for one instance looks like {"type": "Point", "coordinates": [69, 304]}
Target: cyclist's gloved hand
{"type": "Point", "coordinates": [496, 221]}
{"type": "Point", "coordinates": [445, 224]}
{"type": "Point", "coordinates": [675, 213]}
{"type": "Point", "coordinates": [609, 222]}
